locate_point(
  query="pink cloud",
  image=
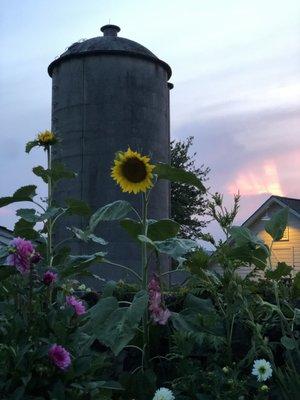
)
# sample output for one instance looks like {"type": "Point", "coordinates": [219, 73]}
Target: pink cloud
{"type": "Point", "coordinates": [258, 179]}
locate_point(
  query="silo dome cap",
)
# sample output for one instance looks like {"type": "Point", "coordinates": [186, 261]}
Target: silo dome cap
{"type": "Point", "coordinates": [109, 43]}
{"type": "Point", "coordinates": [110, 30]}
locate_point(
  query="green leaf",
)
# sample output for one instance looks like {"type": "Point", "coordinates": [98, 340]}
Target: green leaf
{"type": "Point", "coordinates": [282, 270]}
{"type": "Point", "coordinates": [6, 271]}
{"type": "Point", "coordinates": [174, 247]}
{"type": "Point", "coordinates": [133, 227]}
{"type": "Point", "coordinates": [166, 171]}
{"type": "Point", "coordinates": [41, 172]}
{"type": "Point", "coordinates": [25, 193]}
{"type": "Point", "coordinates": [296, 285]}
{"type": "Point", "coordinates": [86, 236]}
{"type": "Point", "coordinates": [163, 229]}
{"type": "Point", "coordinates": [277, 224]}
{"type": "Point", "coordinates": [56, 173]}
{"type": "Point", "coordinates": [110, 212]}
{"type": "Point", "coordinates": [78, 207]}
{"type": "Point", "coordinates": [59, 171]}
{"type": "Point", "coordinates": [288, 343]}
{"type": "Point", "coordinates": [78, 265]}
{"type": "Point", "coordinates": [30, 214]}
{"type": "Point", "coordinates": [116, 326]}
{"type": "Point", "coordinates": [31, 145]}
{"type": "Point", "coordinates": [25, 230]}
{"type": "Point", "coordinates": [242, 235]}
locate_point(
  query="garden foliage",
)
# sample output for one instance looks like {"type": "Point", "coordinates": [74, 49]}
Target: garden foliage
{"type": "Point", "coordinates": [216, 336]}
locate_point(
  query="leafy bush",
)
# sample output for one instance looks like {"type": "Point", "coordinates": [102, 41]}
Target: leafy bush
{"type": "Point", "coordinates": [216, 336]}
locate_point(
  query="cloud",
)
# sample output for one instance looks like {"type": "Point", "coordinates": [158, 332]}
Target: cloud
{"type": "Point", "coordinates": [263, 179]}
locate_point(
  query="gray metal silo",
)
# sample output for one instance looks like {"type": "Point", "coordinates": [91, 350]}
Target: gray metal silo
{"type": "Point", "coordinates": [108, 93]}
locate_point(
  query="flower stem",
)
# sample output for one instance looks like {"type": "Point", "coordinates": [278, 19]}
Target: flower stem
{"type": "Point", "coordinates": [145, 281]}
{"type": "Point", "coordinates": [49, 223]}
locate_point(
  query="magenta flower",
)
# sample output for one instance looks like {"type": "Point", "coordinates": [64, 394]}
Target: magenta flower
{"type": "Point", "coordinates": [59, 356]}
{"type": "Point", "coordinates": [78, 305]}
{"type": "Point", "coordinates": [21, 252]}
{"type": "Point", "coordinates": [49, 277]}
{"type": "Point", "coordinates": [159, 313]}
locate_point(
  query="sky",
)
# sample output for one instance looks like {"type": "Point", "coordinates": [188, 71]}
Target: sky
{"type": "Point", "coordinates": [236, 76]}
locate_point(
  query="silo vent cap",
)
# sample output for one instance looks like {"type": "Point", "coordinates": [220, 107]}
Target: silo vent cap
{"type": "Point", "coordinates": [110, 30]}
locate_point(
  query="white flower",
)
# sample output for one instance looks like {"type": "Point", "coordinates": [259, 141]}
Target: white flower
{"type": "Point", "coordinates": [82, 287]}
{"type": "Point", "coordinates": [262, 369]}
{"type": "Point", "coordinates": [163, 394]}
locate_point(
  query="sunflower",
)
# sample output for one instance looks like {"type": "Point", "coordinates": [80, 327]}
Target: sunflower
{"type": "Point", "coordinates": [132, 171]}
{"type": "Point", "coordinates": [46, 138]}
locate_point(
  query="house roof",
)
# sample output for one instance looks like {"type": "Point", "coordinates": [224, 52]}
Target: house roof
{"type": "Point", "coordinates": [6, 236]}
{"type": "Point", "coordinates": [292, 204]}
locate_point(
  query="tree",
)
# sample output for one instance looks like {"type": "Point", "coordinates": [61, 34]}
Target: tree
{"type": "Point", "coordinates": [188, 204]}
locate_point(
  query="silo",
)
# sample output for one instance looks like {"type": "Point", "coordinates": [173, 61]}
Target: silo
{"type": "Point", "coordinates": [108, 93]}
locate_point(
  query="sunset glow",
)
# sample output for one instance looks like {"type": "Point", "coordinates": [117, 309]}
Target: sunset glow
{"type": "Point", "coordinates": [260, 180]}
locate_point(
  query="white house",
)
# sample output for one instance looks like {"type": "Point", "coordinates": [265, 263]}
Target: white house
{"type": "Point", "coordinates": [288, 248]}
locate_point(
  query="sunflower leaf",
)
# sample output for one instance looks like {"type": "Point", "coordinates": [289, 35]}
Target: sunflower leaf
{"type": "Point", "coordinates": [110, 212]}
{"type": "Point", "coordinates": [166, 171]}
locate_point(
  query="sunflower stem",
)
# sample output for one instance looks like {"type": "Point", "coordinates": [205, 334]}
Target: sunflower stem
{"type": "Point", "coordinates": [145, 280]}
{"type": "Point", "coordinates": [49, 201]}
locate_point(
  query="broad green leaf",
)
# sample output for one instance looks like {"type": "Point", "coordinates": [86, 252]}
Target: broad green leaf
{"type": "Point", "coordinates": [157, 230]}
{"type": "Point", "coordinates": [78, 207]}
{"type": "Point", "coordinates": [200, 318]}
{"type": "Point", "coordinates": [174, 247]}
{"type": "Point", "coordinates": [31, 145]}
{"type": "Point", "coordinates": [163, 229]}
{"type": "Point", "coordinates": [56, 173]}
{"type": "Point", "coordinates": [134, 228]}
{"type": "Point", "coordinates": [250, 254]}
{"type": "Point", "coordinates": [166, 171]}
{"type": "Point", "coordinates": [242, 235]}
{"type": "Point", "coordinates": [116, 326]}
{"type": "Point", "coordinates": [110, 212]}
{"type": "Point", "coordinates": [86, 236]}
{"type": "Point", "coordinates": [25, 230]}
{"type": "Point", "coordinates": [288, 343]}
{"type": "Point", "coordinates": [277, 224]}
{"type": "Point", "coordinates": [78, 265]}
{"type": "Point", "coordinates": [282, 270]}
{"type": "Point", "coordinates": [25, 193]}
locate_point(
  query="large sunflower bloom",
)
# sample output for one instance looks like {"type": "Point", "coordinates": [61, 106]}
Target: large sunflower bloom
{"type": "Point", "coordinates": [132, 171]}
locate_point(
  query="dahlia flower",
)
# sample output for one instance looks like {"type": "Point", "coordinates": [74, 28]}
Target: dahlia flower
{"type": "Point", "coordinates": [262, 370]}
{"type": "Point", "coordinates": [49, 277]}
{"type": "Point", "coordinates": [59, 356]}
{"type": "Point", "coordinates": [21, 253]}
{"type": "Point", "coordinates": [163, 394]}
{"type": "Point", "coordinates": [78, 305]}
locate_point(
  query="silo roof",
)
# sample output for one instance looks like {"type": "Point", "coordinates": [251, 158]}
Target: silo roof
{"type": "Point", "coordinates": [109, 43]}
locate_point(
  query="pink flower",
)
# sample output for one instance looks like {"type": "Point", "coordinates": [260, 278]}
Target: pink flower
{"type": "Point", "coordinates": [78, 305]}
{"type": "Point", "coordinates": [59, 356]}
{"type": "Point", "coordinates": [159, 313]}
{"type": "Point", "coordinates": [21, 251]}
{"type": "Point", "coordinates": [49, 277]}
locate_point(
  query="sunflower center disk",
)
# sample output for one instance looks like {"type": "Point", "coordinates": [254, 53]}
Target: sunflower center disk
{"type": "Point", "coordinates": [134, 170]}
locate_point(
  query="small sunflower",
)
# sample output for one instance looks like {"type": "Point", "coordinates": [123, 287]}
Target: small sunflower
{"type": "Point", "coordinates": [132, 171]}
{"type": "Point", "coordinates": [46, 138]}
